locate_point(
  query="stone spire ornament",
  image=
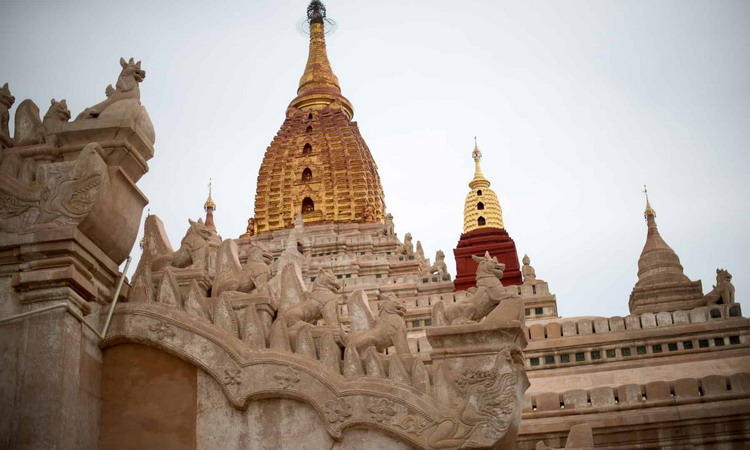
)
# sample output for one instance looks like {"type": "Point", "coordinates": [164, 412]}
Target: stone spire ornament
{"type": "Point", "coordinates": [662, 284]}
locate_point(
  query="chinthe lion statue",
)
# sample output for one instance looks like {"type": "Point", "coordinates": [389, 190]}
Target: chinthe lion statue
{"type": "Point", "coordinates": [195, 249]}
{"type": "Point", "coordinates": [387, 330]}
{"type": "Point", "coordinates": [479, 301]}
{"type": "Point", "coordinates": [723, 291]}
{"type": "Point", "coordinates": [320, 302]}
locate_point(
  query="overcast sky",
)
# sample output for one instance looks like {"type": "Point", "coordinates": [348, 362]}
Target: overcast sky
{"type": "Point", "coordinates": [576, 104]}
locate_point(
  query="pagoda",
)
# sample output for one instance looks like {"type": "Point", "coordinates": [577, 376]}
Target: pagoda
{"type": "Point", "coordinates": [318, 164]}
{"type": "Point", "coordinates": [484, 231]}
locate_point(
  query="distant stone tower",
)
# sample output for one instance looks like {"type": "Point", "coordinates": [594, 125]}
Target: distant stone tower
{"type": "Point", "coordinates": [484, 231]}
{"type": "Point", "coordinates": [318, 164]}
{"type": "Point", "coordinates": [662, 285]}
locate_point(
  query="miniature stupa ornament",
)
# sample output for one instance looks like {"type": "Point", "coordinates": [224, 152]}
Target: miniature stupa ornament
{"type": "Point", "coordinates": [649, 212]}
{"type": "Point", "coordinates": [482, 208]}
{"type": "Point", "coordinates": [210, 207]}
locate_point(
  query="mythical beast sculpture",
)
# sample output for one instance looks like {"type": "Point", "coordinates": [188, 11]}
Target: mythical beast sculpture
{"type": "Point", "coordinates": [196, 250]}
{"type": "Point", "coordinates": [319, 303]}
{"type": "Point", "coordinates": [723, 291]}
{"type": "Point", "coordinates": [124, 100]}
{"type": "Point", "coordinates": [479, 301]}
{"type": "Point", "coordinates": [31, 130]}
{"type": "Point", "coordinates": [64, 193]}
{"type": "Point", "coordinates": [387, 330]}
{"type": "Point", "coordinates": [6, 101]}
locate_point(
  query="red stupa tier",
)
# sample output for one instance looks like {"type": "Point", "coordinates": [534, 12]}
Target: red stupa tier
{"type": "Point", "coordinates": [498, 243]}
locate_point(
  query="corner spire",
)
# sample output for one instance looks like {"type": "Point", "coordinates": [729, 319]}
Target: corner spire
{"type": "Point", "coordinates": [210, 207]}
{"type": "Point", "coordinates": [319, 86]}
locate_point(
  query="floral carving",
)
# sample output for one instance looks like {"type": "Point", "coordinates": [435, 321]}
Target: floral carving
{"type": "Point", "coordinates": [287, 378]}
{"type": "Point", "coordinates": [382, 411]}
{"type": "Point", "coordinates": [161, 330]}
{"type": "Point", "coordinates": [232, 377]}
{"type": "Point", "coordinates": [337, 411]}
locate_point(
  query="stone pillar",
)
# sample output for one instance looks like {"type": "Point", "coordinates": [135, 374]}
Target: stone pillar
{"type": "Point", "coordinates": [71, 219]}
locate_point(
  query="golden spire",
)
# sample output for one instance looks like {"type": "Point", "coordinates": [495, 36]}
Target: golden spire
{"type": "Point", "coordinates": [649, 210]}
{"type": "Point", "coordinates": [479, 180]}
{"type": "Point", "coordinates": [482, 208]}
{"type": "Point", "coordinates": [319, 86]}
{"type": "Point", "coordinates": [209, 207]}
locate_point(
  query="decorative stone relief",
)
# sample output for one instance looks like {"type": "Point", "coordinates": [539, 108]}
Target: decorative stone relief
{"type": "Point", "coordinates": [382, 410]}
{"type": "Point", "coordinates": [287, 377]}
{"type": "Point", "coordinates": [161, 330]}
{"type": "Point", "coordinates": [232, 377]}
{"type": "Point", "coordinates": [337, 411]}
{"type": "Point", "coordinates": [64, 194]}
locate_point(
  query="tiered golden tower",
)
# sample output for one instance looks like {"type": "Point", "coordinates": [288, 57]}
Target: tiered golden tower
{"type": "Point", "coordinates": [318, 164]}
{"type": "Point", "coordinates": [482, 208]}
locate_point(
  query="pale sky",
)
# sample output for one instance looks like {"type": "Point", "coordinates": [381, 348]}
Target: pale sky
{"type": "Point", "coordinates": [576, 104]}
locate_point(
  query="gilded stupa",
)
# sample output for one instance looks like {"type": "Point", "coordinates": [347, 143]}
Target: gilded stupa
{"type": "Point", "coordinates": [484, 231]}
{"type": "Point", "coordinates": [318, 164]}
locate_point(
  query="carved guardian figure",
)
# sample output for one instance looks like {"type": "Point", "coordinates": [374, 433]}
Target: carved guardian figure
{"type": "Point", "coordinates": [479, 301]}
{"type": "Point", "coordinates": [6, 101]}
{"type": "Point", "coordinates": [723, 291]}
{"type": "Point", "coordinates": [387, 330]}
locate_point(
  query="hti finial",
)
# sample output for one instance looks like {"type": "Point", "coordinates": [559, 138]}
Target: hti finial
{"type": "Point", "coordinates": [649, 210]}
{"type": "Point", "coordinates": [210, 201]}
{"type": "Point", "coordinates": [316, 11]}
{"type": "Point", "coordinates": [476, 154]}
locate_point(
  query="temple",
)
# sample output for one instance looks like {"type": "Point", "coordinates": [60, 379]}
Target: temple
{"type": "Point", "coordinates": [323, 326]}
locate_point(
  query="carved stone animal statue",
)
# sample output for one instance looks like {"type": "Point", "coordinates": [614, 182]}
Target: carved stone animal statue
{"type": "Point", "coordinates": [320, 302]}
{"type": "Point", "coordinates": [408, 246]}
{"type": "Point", "coordinates": [195, 249]}
{"type": "Point", "coordinates": [31, 130]}
{"type": "Point", "coordinates": [387, 330]}
{"type": "Point", "coordinates": [389, 229]}
{"type": "Point", "coordinates": [439, 268]}
{"type": "Point", "coordinates": [125, 88]}
{"type": "Point", "coordinates": [723, 291]}
{"type": "Point", "coordinates": [6, 101]}
{"type": "Point", "coordinates": [479, 301]}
